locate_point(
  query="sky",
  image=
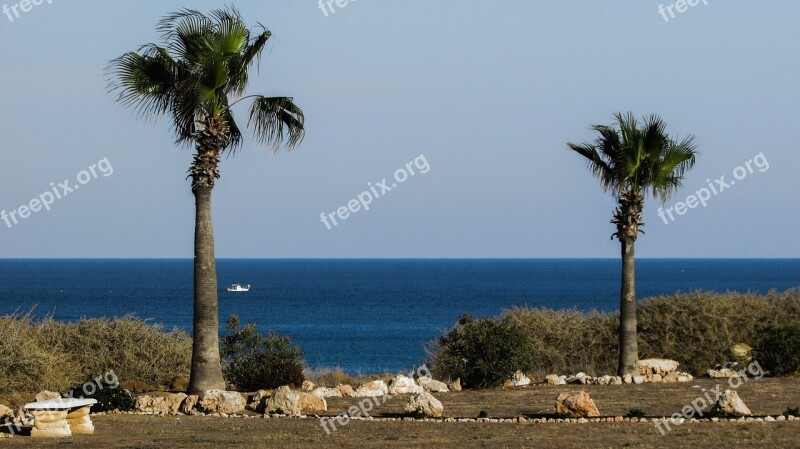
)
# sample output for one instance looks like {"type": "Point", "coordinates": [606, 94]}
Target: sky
{"type": "Point", "coordinates": [476, 99]}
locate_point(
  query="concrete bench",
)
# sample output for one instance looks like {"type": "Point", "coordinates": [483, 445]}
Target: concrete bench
{"type": "Point", "coordinates": [58, 418]}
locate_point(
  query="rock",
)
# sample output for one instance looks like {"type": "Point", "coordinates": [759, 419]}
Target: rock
{"type": "Point", "coordinates": [627, 379]}
{"type": "Point", "coordinates": [656, 378]}
{"type": "Point", "coordinates": [5, 412]}
{"type": "Point", "coordinates": [432, 386]}
{"type": "Point", "coordinates": [47, 395]}
{"type": "Point", "coordinates": [169, 404]}
{"type": "Point", "coordinates": [189, 404]}
{"type": "Point", "coordinates": [308, 386]}
{"type": "Point", "coordinates": [425, 406]}
{"type": "Point", "coordinates": [671, 378]}
{"type": "Point", "coordinates": [346, 390]}
{"type": "Point", "coordinates": [552, 379]}
{"type": "Point", "coordinates": [731, 405]}
{"type": "Point", "coordinates": [312, 403]}
{"type": "Point", "coordinates": [375, 388]}
{"type": "Point", "coordinates": [685, 377]}
{"type": "Point", "coordinates": [604, 380]}
{"type": "Point", "coordinates": [578, 405]}
{"type": "Point", "coordinates": [663, 367]}
{"type": "Point", "coordinates": [638, 380]}
{"type": "Point", "coordinates": [579, 378]}
{"type": "Point", "coordinates": [455, 385]}
{"type": "Point", "coordinates": [324, 392]}
{"type": "Point", "coordinates": [258, 401]}
{"type": "Point", "coordinates": [284, 401]}
{"type": "Point", "coordinates": [179, 383]}
{"type": "Point", "coordinates": [616, 380]}
{"type": "Point", "coordinates": [404, 385]}
{"type": "Point", "coordinates": [722, 373]}
{"type": "Point", "coordinates": [520, 379]}
{"type": "Point", "coordinates": [219, 401]}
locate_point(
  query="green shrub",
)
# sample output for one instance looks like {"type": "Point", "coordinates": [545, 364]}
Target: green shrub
{"type": "Point", "coordinates": [483, 353]}
{"type": "Point", "coordinates": [778, 348]}
{"type": "Point", "coordinates": [252, 362]}
{"type": "Point", "coordinates": [108, 393]}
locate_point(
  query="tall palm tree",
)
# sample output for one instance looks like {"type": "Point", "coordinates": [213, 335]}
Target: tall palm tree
{"type": "Point", "coordinates": [196, 76]}
{"type": "Point", "coordinates": [632, 159]}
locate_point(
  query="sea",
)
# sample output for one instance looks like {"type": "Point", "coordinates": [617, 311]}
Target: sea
{"type": "Point", "coordinates": [363, 316]}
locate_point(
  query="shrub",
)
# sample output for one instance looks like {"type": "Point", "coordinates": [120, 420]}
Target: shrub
{"type": "Point", "coordinates": [778, 348]}
{"type": "Point", "coordinates": [42, 353]}
{"type": "Point", "coordinates": [568, 341]}
{"type": "Point", "coordinates": [253, 362]}
{"type": "Point", "coordinates": [108, 393]}
{"type": "Point", "coordinates": [700, 330]}
{"type": "Point", "coordinates": [483, 352]}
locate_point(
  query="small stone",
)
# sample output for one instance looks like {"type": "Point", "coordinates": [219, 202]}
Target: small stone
{"type": "Point", "coordinates": [627, 379]}
{"type": "Point", "coordinates": [730, 404]}
{"type": "Point", "coordinates": [284, 401]}
{"type": "Point", "coordinates": [46, 395]}
{"type": "Point", "coordinates": [376, 388]}
{"type": "Point", "coordinates": [576, 404]}
{"type": "Point", "coordinates": [425, 405]}
{"type": "Point", "coordinates": [403, 385]}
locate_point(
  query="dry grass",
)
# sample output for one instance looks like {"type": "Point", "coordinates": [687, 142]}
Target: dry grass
{"type": "Point", "coordinates": [43, 353]}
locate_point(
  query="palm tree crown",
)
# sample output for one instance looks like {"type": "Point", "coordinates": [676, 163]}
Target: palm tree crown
{"type": "Point", "coordinates": [199, 73]}
{"type": "Point", "coordinates": [639, 158]}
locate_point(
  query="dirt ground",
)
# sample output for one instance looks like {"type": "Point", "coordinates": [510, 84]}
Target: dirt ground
{"type": "Point", "coordinates": [764, 397]}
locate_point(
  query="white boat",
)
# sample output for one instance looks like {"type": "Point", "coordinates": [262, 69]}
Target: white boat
{"type": "Point", "coordinates": [239, 288]}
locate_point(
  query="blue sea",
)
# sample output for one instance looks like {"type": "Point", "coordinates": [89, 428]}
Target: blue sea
{"type": "Point", "coordinates": [363, 316]}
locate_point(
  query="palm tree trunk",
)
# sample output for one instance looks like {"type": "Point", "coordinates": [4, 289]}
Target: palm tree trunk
{"type": "Point", "coordinates": [206, 369]}
{"type": "Point", "coordinates": [628, 344]}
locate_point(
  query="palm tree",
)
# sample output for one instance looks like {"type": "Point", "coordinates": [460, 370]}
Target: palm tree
{"type": "Point", "coordinates": [632, 159]}
{"type": "Point", "coordinates": [196, 76]}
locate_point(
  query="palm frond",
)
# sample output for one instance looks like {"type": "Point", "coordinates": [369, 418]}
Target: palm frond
{"type": "Point", "coordinates": [276, 121]}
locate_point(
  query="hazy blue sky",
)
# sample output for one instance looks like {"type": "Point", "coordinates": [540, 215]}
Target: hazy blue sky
{"type": "Point", "coordinates": [488, 92]}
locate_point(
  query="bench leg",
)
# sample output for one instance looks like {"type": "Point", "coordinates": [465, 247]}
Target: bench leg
{"type": "Point", "coordinates": [50, 424]}
{"type": "Point", "coordinates": [80, 422]}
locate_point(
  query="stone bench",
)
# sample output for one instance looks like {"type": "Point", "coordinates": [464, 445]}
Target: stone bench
{"type": "Point", "coordinates": [58, 418]}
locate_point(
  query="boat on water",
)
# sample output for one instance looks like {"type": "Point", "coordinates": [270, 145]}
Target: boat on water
{"type": "Point", "coordinates": [239, 288]}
